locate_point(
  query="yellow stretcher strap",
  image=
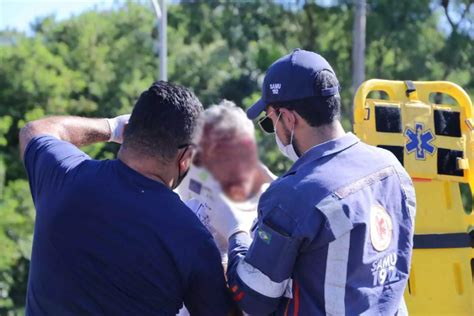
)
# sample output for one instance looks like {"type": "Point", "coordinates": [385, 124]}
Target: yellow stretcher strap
{"type": "Point", "coordinates": [439, 241]}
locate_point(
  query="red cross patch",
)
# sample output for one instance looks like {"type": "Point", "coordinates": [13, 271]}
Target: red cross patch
{"type": "Point", "coordinates": [380, 228]}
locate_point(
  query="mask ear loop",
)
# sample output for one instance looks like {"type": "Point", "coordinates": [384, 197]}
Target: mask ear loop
{"type": "Point", "coordinates": [179, 169]}
{"type": "Point", "coordinates": [291, 139]}
{"type": "Point", "coordinates": [276, 123]}
{"type": "Point", "coordinates": [292, 134]}
{"type": "Point", "coordinates": [292, 130]}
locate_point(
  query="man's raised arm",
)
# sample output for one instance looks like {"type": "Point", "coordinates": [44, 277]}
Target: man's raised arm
{"type": "Point", "coordinates": [78, 131]}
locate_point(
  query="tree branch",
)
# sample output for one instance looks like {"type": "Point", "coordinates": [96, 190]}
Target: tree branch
{"type": "Point", "coordinates": [445, 4]}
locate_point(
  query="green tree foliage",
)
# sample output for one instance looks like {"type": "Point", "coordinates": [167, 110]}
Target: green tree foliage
{"type": "Point", "coordinates": [97, 63]}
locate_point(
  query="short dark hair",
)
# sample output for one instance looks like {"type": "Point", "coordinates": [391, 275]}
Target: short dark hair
{"type": "Point", "coordinates": [317, 111]}
{"type": "Point", "coordinates": [165, 117]}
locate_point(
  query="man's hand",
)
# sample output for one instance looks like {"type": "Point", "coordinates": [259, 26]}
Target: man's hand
{"type": "Point", "coordinates": [117, 127]}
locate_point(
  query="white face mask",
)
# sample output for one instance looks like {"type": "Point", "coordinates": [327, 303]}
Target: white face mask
{"type": "Point", "coordinates": [287, 150]}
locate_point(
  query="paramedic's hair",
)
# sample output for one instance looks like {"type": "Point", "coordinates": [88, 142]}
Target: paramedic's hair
{"type": "Point", "coordinates": [227, 120]}
{"type": "Point", "coordinates": [165, 118]}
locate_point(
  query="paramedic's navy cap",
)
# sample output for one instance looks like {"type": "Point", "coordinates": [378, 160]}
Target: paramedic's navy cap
{"type": "Point", "coordinates": [292, 78]}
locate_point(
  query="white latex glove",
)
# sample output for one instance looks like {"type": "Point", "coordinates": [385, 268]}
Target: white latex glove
{"type": "Point", "coordinates": [117, 125]}
{"type": "Point", "coordinates": [226, 220]}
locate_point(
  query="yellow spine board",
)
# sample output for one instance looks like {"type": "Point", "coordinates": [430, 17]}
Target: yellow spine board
{"type": "Point", "coordinates": [435, 144]}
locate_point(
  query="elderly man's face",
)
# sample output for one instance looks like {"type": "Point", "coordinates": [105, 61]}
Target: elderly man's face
{"type": "Point", "coordinates": [233, 163]}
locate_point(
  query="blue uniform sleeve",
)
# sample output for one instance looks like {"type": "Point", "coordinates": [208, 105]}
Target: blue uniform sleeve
{"type": "Point", "coordinates": [47, 161]}
{"type": "Point", "coordinates": [259, 271]}
{"type": "Point", "coordinates": [208, 293]}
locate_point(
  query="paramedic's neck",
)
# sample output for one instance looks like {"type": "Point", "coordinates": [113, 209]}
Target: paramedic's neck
{"type": "Point", "coordinates": [308, 136]}
{"type": "Point", "coordinates": [147, 166]}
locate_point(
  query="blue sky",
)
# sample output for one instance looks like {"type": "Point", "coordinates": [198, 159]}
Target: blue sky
{"type": "Point", "coordinates": [19, 14]}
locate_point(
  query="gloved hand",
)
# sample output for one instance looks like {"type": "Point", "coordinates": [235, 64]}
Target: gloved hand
{"type": "Point", "coordinates": [117, 125]}
{"type": "Point", "coordinates": [226, 220]}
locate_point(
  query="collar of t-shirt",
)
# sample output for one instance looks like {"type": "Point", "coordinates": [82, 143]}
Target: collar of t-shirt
{"type": "Point", "coordinates": [139, 179]}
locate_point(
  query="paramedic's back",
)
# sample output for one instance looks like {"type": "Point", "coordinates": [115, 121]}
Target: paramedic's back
{"type": "Point", "coordinates": [111, 237]}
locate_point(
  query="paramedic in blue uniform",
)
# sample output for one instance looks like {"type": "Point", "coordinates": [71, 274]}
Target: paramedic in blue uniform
{"type": "Point", "coordinates": [111, 237]}
{"type": "Point", "coordinates": [335, 232]}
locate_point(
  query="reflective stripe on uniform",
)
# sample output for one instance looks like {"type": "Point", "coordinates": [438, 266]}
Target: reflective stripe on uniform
{"type": "Point", "coordinates": [338, 221]}
{"type": "Point", "coordinates": [259, 282]}
{"type": "Point", "coordinates": [336, 275]}
{"type": "Point", "coordinates": [337, 257]}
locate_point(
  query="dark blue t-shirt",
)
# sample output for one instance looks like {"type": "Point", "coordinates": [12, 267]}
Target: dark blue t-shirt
{"type": "Point", "coordinates": [109, 241]}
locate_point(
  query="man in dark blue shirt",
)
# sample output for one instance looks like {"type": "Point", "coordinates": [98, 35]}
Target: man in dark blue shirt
{"type": "Point", "coordinates": [111, 237]}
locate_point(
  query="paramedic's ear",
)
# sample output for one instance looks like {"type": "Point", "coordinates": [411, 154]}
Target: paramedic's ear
{"type": "Point", "coordinates": [187, 158]}
{"type": "Point", "coordinates": [124, 128]}
{"type": "Point", "coordinates": [197, 161]}
{"type": "Point", "coordinates": [288, 117]}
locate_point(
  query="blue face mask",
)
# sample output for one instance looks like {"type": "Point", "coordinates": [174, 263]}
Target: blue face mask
{"type": "Point", "coordinates": [287, 150]}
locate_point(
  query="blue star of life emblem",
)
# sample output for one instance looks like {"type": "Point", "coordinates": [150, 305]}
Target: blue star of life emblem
{"type": "Point", "coordinates": [419, 141]}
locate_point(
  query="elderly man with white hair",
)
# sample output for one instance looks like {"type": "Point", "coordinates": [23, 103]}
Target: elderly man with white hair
{"type": "Point", "coordinates": [226, 171]}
